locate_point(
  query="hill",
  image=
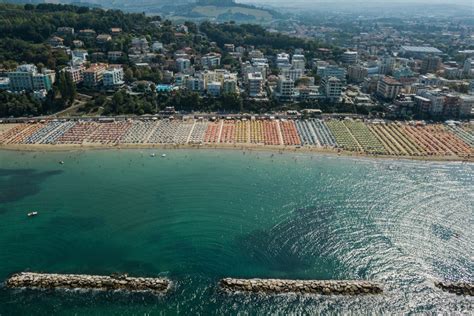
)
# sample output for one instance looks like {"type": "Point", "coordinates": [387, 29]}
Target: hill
{"type": "Point", "coordinates": [195, 10]}
{"type": "Point", "coordinates": [220, 11]}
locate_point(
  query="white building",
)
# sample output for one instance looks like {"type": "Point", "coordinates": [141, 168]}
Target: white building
{"type": "Point", "coordinates": [261, 67]}
{"type": "Point", "coordinates": [79, 56]}
{"type": "Point", "coordinates": [331, 87]}
{"type": "Point", "coordinates": [283, 60]}
{"type": "Point", "coordinates": [349, 57]}
{"type": "Point", "coordinates": [298, 62]}
{"type": "Point", "coordinates": [285, 88]}
{"type": "Point", "coordinates": [255, 83]}
{"type": "Point", "coordinates": [292, 73]}
{"type": "Point", "coordinates": [113, 77]}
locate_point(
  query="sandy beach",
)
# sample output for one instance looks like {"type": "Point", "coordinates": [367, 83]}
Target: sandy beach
{"type": "Point", "coordinates": [240, 147]}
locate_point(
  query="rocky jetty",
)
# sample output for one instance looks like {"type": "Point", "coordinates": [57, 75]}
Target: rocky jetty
{"type": "Point", "coordinates": [277, 286]}
{"type": "Point", "coordinates": [88, 282]}
{"type": "Point", "coordinates": [460, 288]}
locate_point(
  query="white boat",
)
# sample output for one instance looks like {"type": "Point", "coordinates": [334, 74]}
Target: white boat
{"type": "Point", "coordinates": [31, 214]}
{"type": "Point", "coordinates": [163, 156]}
{"type": "Point", "coordinates": [152, 155]}
{"type": "Point", "coordinates": [61, 162]}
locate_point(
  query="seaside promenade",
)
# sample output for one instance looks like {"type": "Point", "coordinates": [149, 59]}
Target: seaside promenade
{"type": "Point", "coordinates": [375, 138]}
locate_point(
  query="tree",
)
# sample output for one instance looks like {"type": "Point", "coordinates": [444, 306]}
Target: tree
{"type": "Point", "coordinates": [67, 88]}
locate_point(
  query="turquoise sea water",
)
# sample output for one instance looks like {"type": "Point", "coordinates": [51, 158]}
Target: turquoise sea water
{"type": "Point", "coordinates": [197, 216]}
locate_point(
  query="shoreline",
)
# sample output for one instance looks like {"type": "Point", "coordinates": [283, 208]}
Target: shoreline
{"type": "Point", "coordinates": [240, 147]}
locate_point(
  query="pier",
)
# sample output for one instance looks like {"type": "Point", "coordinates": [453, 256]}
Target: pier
{"type": "Point", "coordinates": [277, 286]}
{"type": "Point", "coordinates": [87, 282]}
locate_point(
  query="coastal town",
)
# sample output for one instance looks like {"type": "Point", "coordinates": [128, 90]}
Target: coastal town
{"type": "Point", "coordinates": [156, 82]}
{"type": "Point", "coordinates": [381, 73]}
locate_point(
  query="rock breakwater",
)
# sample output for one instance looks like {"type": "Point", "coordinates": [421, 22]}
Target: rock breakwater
{"type": "Point", "coordinates": [89, 282]}
{"type": "Point", "coordinates": [460, 288]}
{"type": "Point", "coordinates": [277, 286]}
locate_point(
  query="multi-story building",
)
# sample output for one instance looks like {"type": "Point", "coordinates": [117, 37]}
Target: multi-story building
{"type": "Point", "coordinates": [283, 60]}
{"type": "Point", "coordinates": [94, 75]}
{"type": "Point", "coordinates": [388, 88]}
{"type": "Point", "coordinates": [357, 73]}
{"type": "Point", "coordinates": [349, 57]}
{"type": "Point", "coordinates": [113, 77]}
{"type": "Point", "coordinates": [255, 54]}
{"type": "Point", "coordinates": [183, 64]}
{"type": "Point", "coordinates": [298, 62]}
{"type": "Point", "coordinates": [139, 45]}
{"type": "Point", "coordinates": [451, 106]}
{"type": "Point", "coordinates": [437, 101]}
{"type": "Point", "coordinates": [257, 66]}
{"type": "Point", "coordinates": [331, 88]}
{"type": "Point", "coordinates": [386, 65]}
{"type": "Point", "coordinates": [466, 105]}
{"type": "Point", "coordinates": [229, 85]}
{"type": "Point", "coordinates": [285, 88]}
{"type": "Point", "coordinates": [26, 77]}
{"type": "Point", "coordinates": [75, 73]}
{"type": "Point", "coordinates": [292, 73]}
{"type": "Point", "coordinates": [255, 82]}
{"type": "Point", "coordinates": [195, 84]}
{"type": "Point", "coordinates": [422, 105]}
{"type": "Point", "coordinates": [332, 71]}
{"type": "Point", "coordinates": [430, 64]}
{"type": "Point", "coordinates": [211, 60]}
{"type": "Point", "coordinates": [114, 55]}
{"type": "Point", "coordinates": [214, 88]}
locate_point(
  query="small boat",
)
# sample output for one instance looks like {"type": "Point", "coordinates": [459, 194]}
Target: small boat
{"type": "Point", "coordinates": [153, 155]}
{"type": "Point", "coordinates": [31, 214]}
{"type": "Point", "coordinates": [163, 156]}
{"type": "Point", "coordinates": [61, 162]}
